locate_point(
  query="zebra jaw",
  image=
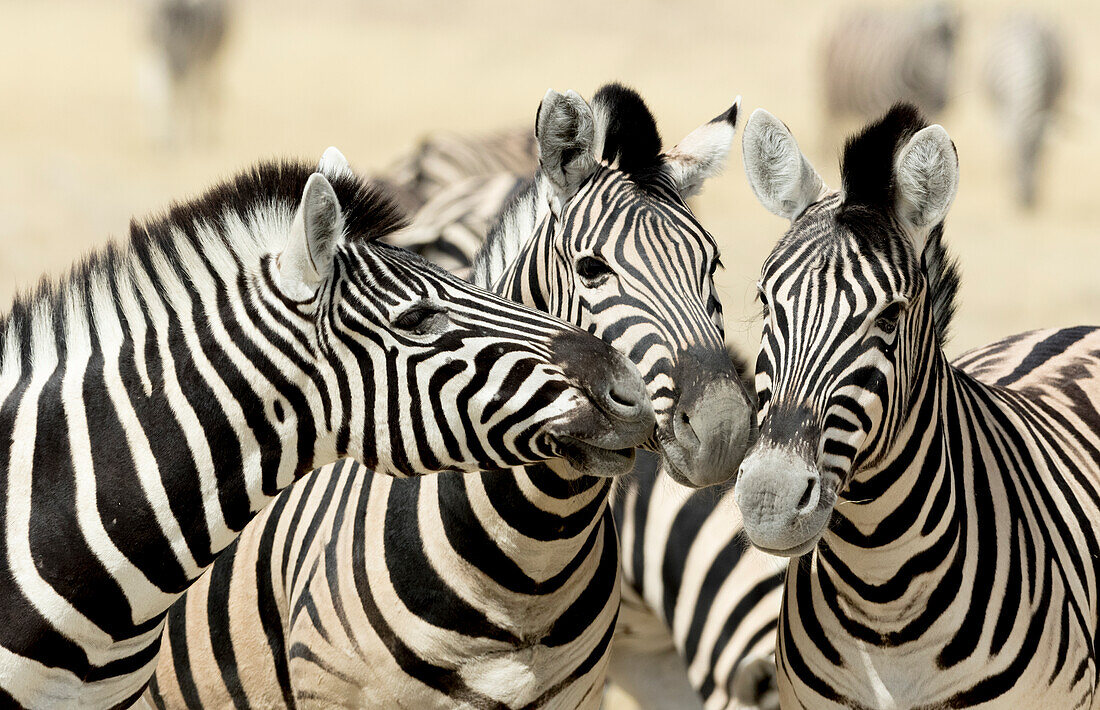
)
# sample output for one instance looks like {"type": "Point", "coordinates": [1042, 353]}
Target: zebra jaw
{"type": "Point", "coordinates": [589, 459]}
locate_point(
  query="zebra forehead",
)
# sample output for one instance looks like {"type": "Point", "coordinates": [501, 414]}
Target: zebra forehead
{"type": "Point", "coordinates": [833, 232]}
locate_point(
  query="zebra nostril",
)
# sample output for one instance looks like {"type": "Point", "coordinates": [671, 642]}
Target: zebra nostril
{"type": "Point", "coordinates": [621, 399]}
{"type": "Point", "coordinates": [807, 494]}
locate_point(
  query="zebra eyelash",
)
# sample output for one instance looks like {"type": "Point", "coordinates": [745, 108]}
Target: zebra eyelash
{"type": "Point", "coordinates": [765, 308]}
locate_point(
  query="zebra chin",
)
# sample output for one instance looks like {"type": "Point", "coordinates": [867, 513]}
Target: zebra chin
{"type": "Point", "coordinates": [785, 502]}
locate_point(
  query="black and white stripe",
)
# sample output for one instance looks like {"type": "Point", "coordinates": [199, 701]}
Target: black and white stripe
{"type": "Point", "coordinates": [700, 606]}
{"type": "Point", "coordinates": [948, 514]}
{"type": "Point", "coordinates": [1024, 79]}
{"type": "Point", "coordinates": [168, 388]}
{"type": "Point", "coordinates": [493, 590]}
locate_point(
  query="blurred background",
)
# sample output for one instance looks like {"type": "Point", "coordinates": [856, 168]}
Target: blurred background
{"type": "Point", "coordinates": [88, 137]}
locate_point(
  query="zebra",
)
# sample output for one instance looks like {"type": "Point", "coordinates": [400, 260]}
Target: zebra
{"type": "Point", "coordinates": [699, 611]}
{"type": "Point", "coordinates": [160, 395]}
{"type": "Point", "coordinates": [490, 590]}
{"type": "Point", "coordinates": [1024, 80]}
{"type": "Point", "coordinates": [876, 57]}
{"type": "Point", "coordinates": [188, 40]}
{"type": "Point", "coordinates": [946, 515]}
{"type": "Point", "coordinates": [452, 226]}
{"type": "Point", "coordinates": [441, 160]}
{"type": "Point", "coordinates": [646, 661]}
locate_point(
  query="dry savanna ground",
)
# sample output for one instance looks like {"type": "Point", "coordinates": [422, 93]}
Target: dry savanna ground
{"type": "Point", "coordinates": [77, 159]}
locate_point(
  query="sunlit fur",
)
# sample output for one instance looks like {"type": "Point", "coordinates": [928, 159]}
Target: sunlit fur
{"type": "Point", "coordinates": [499, 590]}
{"type": "Point", "coordinates": [163, 392]}
{"type": "Point", "coordinates": [958, 569]}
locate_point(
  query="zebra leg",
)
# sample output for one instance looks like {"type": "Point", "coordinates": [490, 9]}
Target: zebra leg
{"type": "Point", "coordinates": [754, 683]}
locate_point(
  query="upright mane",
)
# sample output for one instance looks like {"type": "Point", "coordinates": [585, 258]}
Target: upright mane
{"type": "Point", "coordinates": [253, 197]}
{"type": "Point", "coordinates": [631, 141]}
{"type": "Point", "coordinates": [867, 175]}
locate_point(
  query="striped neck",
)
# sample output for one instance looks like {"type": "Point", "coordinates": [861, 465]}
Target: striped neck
{"type": "Point", "coordinates": [173, 369]}
{"type": "Point", "coordinates": [906, 517]}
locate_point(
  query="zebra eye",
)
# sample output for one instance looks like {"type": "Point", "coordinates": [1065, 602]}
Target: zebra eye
{"type": "Point", "coordinates": [887, 320]}
{"type": "Point", "coordinates": [417, 319]}
{"type": "Point", "coordinates": [592, 269]}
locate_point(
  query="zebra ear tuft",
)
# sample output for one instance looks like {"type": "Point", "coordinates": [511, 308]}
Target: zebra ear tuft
{"type": "Point", "coordinates": [565, 131]}
{"type": "Point", "coordinates": [926, 177]}
{"type": "Point", "coordinates": [780, 176]}
{"type": "Point", "coordinates": [334, 163]}
{"type": "Point", "coordinates": [702, 153]}
{"type": "Point", "coordinates": [316, 232]}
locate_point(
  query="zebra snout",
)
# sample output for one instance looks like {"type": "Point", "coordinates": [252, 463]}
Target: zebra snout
{"type": "Point", "coordinates": [624, 397]}
{"type": "Point", "coordinates": [708, 433]}
{"type": "Point", "coordinates": [614, 387]}
{"type": "Point", "coordinates": [785, 504]}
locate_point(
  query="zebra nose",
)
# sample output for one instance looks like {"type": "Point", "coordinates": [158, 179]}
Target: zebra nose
{"type": "Point", "coordinates": [711, 431]}
{"type": "Point", "coordinates": [784, 505]}
{"type": "Point", "coordinates": [624, 398]}
{"type": "Point", "coordinates": [611, 382]}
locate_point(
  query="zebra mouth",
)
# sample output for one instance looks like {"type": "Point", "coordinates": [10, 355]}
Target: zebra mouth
{"type": "Point", "coordinates": [592, 460]}
{"type": "Point", "coordinates": [796, 551]}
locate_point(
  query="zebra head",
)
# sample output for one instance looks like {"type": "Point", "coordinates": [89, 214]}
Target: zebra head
{"type": "Point", "coordinates": [430, 373]}
{"type": "Point", "coordinates": [855, 296]}
{"type": "Point", "coordinates": [605, 240]}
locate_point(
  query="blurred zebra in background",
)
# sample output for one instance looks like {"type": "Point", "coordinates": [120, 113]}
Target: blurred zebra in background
{"type": "Point", "coordinates": [1024, 78]}
{"type": "Point", "coordinates": [183, 75]}
{"type": "Point", "coordinates": [877, 57]}
{"type": "Point", "coordinates": [451, 227]}
{"type": "Point", "coordinates": [441, 160]}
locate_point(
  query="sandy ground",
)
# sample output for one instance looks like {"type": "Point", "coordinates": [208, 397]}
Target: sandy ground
{"type": "Point", "coordinates": [77, 159]}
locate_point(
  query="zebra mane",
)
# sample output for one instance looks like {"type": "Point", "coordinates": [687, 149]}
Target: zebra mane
{"type": "Point", "coordinates": [368, 210]}
{"type": "Point", "coordinates": [631, 141]}
{"type": "Point", "coordinates": [867, 173]}
{"type": "Point", "coordinates": [942, 271]}
{"type": "Point", "coordinates": [867, 166]}
{"type": "Point", "coordinates": [508, 233]}
{"type": "Point", "coordinates": [252, 196]}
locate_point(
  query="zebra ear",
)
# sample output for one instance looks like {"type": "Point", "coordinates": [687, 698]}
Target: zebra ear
{"type": "Point", "coordinates": [780, 176]}
{"type": "Point", "coordinates": [565, 131]}
{"type": "Point", "coordinates": [333, 163]}
{"type": "Point", "coordinates": [926, 177]}
{"type": "Point", "coordinates": [702, 153]}
{"type": "Point", "coordinates": [314, 236]}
